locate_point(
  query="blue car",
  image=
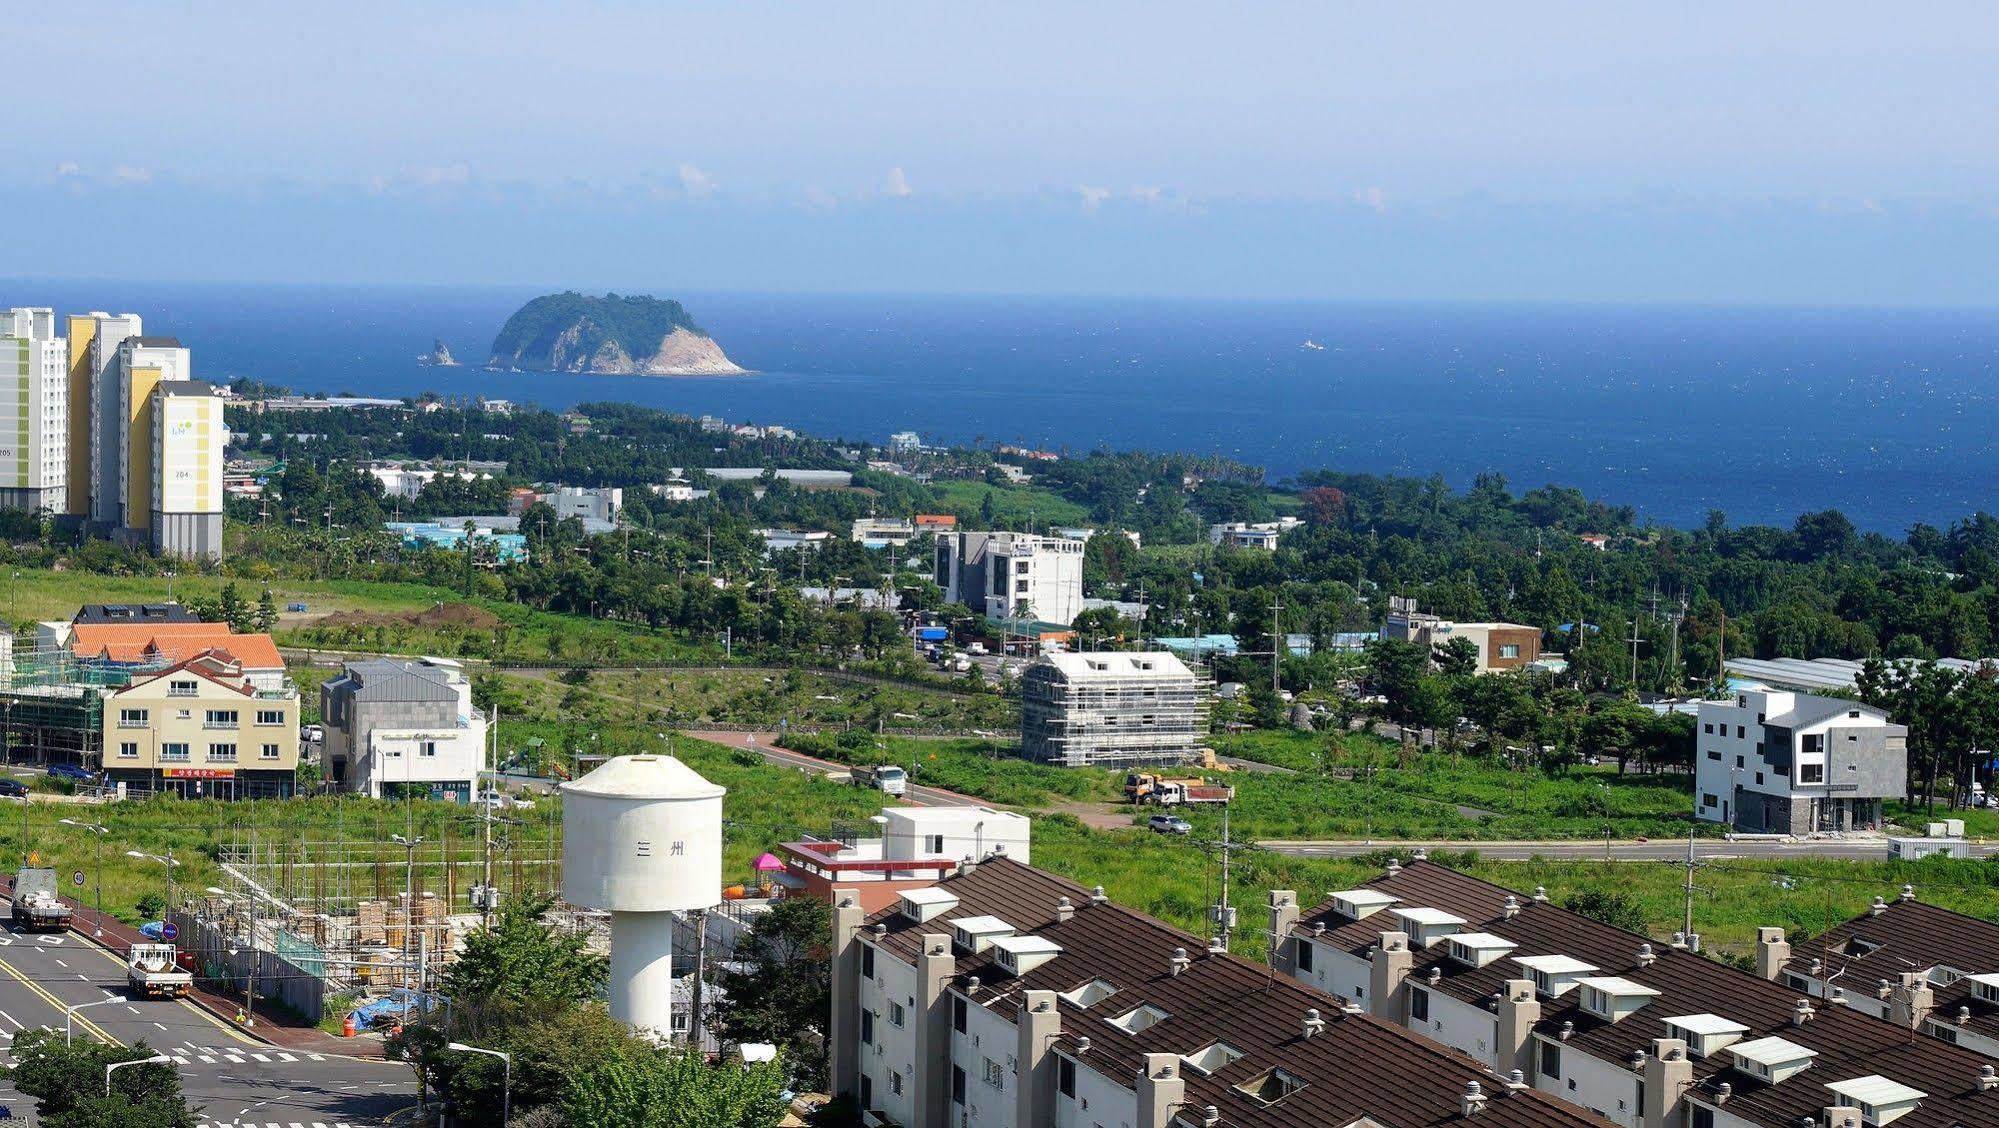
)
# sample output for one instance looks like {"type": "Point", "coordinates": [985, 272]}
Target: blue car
{"type": "Point", "coordinates": [71, 771]}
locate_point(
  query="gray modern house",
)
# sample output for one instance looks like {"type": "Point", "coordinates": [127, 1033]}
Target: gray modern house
{"type": "Point", "coordinates": [1794, 763]}
{"type": "Point", "coordinates": [1112, 709]}
{"type": "Point", "coordinates": [396, 727]}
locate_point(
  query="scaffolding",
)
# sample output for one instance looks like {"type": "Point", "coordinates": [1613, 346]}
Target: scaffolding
{"type": "Point", "coordinates": [52, 706]}
{"type": "Point", "coordinates": [1112, 709]}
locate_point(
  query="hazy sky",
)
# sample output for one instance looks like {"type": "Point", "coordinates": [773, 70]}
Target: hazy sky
{"type": "Point", "coordinates": [1683, 151]}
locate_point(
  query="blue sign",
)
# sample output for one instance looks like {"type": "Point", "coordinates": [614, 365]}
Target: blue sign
{"type": "Point", "coordinates": [169, 930]}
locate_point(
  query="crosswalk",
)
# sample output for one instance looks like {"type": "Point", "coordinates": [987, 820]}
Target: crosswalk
{"type": "Point", "coordinates": [234, 1055]}
{"type": "Point", "coordinates": [272, 1124]}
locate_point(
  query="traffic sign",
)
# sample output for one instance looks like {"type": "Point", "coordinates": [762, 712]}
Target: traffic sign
{"type": "Point", "coordinates": [76, 878]}
{"type": "Point", "coordinates": [169, 930]}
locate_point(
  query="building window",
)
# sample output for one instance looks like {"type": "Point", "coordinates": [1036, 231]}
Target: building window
{"type": "Point", "coordinates": [1701, 1117]}
{"type": "Point", "coordinates": [867, 961]}
{"type": "Point", "coordinates": [129, 749]}
{"type": "Point", "coordinates": [182, 688]}
{"type": "Point", "coordinates": [1708, 729]}
{"type": "Point", "coordinates": [958, 1013]}
{"type": "Point", "coordinates": [895, 1083]}
{"type": "Point", "coordinates": [268, 752]}
{"type": "Point", "coordinates": [867, 1028]}
{"type": "Point", "coordinates": [1509, 650]}
{"type": "Point", "coordinates": [132, 718]}
{"type": "Point", "coordinates": [994, 1075]}
{"type": "Point", "coordinates": [1551, 1060]}
{"type": "Point", "coordinates": [1304, 954]}
{"type": "Point", "coordinates": [222, 752]}
{"type": "Point", "coordinates": [1419, 1005]}
{"type": "Point", "coordinates": [270, 716]}
{"type": "Point", "coordinates": [957, 1086]}
{"type": "Point", "coordinates": [220, 718]}
{"type": "Point", "coordinates": [1740, 732]}
{"type": "Point", "coordinates": [1708, 799]}
{"type": "Point", "coordinates": [1065, 1076]}
{"type": "Point", "coordinates": [173, 752]}
{"type": "Point", "coordinates": [897, 1015]}
{"type": "Point", "coordinates": [1811, 773]}
{"type": "Point", "coordinates": [1759, 777]}
{"type": "Point", "coordinates": [427, 749]}
{"type": "Point", "coordinates": [933, 844]}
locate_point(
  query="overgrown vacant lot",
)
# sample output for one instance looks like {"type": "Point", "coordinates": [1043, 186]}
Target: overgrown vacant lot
{"type": "Point", "coordinates": [1354, 785]}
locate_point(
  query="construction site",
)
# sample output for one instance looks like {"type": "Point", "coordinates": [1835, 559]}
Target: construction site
{"type": "Point", "coordinates": [1113, 709]}
{"type": "Point", "coordinates": [52, 705]}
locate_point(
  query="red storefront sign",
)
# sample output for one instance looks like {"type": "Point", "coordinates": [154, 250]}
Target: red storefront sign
{"type": "Point", "coordinates": [200, 773]}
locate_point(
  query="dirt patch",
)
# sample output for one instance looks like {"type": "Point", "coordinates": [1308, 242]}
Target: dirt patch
{"type": "Point", "coordinates": [458, 616]}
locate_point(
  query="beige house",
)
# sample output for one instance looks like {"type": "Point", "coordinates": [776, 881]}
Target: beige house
{"type": "Point", "coordinates": [203, 728]}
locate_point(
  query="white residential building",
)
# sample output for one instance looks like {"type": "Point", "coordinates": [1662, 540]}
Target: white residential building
{"type": "Point", "coordinates": [34, 412]}
{"type": "Point", "coordinates": [1012, 576]}
{"type": "Point", "coordinates": [400, 727]}
{"type": "Point", "coordinates": [785, 540]}
{"type": "Point", "coordinates": [1243, 534]}
{"type": "Point", "coordinates": [590, 503]}
{"type": "Point", "coordinates": [1793, 763]}
{"type": "Point", "coordinates": [184, 507]}
{"type": "Point", "coordinates": [884, 532]}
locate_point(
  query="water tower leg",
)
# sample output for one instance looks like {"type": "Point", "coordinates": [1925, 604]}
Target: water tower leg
{"type": "Point", "coordinates": [642, 971]}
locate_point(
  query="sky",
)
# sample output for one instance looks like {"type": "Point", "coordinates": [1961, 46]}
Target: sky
{"type": "Point", "coordinates": [1827, 152]}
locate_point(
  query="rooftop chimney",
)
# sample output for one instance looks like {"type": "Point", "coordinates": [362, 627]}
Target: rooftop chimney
{"type": "Point", "coordinates": [1908, 892]}
{"type": "Point", "coordinates": [1511, 908]}
{"type": "Point", "coordinates": [1541, 894]}
{"type": "Point", "coordinates": [1318, 928]}
{"type": "Point", "coordinates": [1394, 867]}
{"type": "Point", "coordinates": [1879, 906]}
{"type": "Point", "coordinates": [1474, 1101]}
{"type": "Point", "coordinates": [1063, 910]}
{"type": "Point", "coordinates": [1988, 1079]}
{"type": "Point", "coordinates": [1083, 1044]}
{"type": "Point", "coordinates": [1421, 855]}
{"type": "Point", "coordinates": [1178, 963]}
{"type": "Point", "coordinates": [1516, 1079]}
{"type": "Point", "coordinates": [1097, 896]}
{"type": "Point", "coordinates": [1772, 952]}
{"type": "Point", "coordinates": [1313, 1023]}
{"type": "Point", "coordinates": [1802, 1012]}
{"type": "Point", "coordinates": [1645, 956]}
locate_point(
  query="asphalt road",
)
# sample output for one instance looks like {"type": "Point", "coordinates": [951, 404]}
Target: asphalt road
{"type": "Point", "coordinates": [1663, 850]}
{"type": "Point", "coordinates": [232, 1080]}
{"type": "Point", "coordinates": [760, 743]}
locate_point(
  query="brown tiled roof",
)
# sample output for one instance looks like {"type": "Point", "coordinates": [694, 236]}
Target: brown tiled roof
{"type": "Point", "coordinates": [1849, 1044]}
{"type": "Point", "coordinates": [1910, 936]}
{"type": "Point", "coordinates": [1359, 1066]}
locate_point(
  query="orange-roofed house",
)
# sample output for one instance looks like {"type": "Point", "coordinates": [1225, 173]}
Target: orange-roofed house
{"type": "Point", "coordinates": [152, 646]}
{"type": "Point", "coordinates": [203, 727]}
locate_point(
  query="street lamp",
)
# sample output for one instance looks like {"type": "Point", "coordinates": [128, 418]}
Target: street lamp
{"type": "Point", "coordinates": [69, 1013]}
{"type": "Point", "coordinates": [97, 880]}
{"type": "Point", "coordinates": [409, 902]}
{"type": "Point", "coordinates": [250, 973]}
{"type": "Point", "coordinates": [167, 860]}
{"type": "Point", "coordinates": [506, 1076]}
{"type": "Point", "coordinates": [156, 1059]}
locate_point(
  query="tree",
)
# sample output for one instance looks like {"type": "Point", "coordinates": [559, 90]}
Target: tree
{"type": "Point", "coordinates": [233, 610]}
{"type": "Point", "coordinates": [1457, 658]}
{"type": "Point", "coordinates": [1100, 628]}
{"type": "Point", "coordinates": [657, 1087]}
{"type": "Point", "coordinates": [785, 989]}
{"type": "Point", "coordinates": [267, 612]}
{"type": "Point", "coordinates": [67, 1083]}
{"type": "Point", "coordinates": [1613, 907]}
{"type": "Point", "coordinates": [523, 958]}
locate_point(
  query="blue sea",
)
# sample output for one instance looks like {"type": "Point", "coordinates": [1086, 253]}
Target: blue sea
{"type": "Point", "coordinates": [1889, 415]}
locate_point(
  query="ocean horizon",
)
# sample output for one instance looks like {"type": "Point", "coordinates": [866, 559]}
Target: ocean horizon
{"type": "Point", "coordinates": [1761, 412]}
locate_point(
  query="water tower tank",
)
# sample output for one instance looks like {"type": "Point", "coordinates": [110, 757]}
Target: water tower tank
{"type": "Point", "coordinates": [642, 836]}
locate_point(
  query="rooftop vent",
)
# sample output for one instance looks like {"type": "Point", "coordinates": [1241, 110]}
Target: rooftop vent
{"type": "Point", "coordinates": [973, 935]}
{"type": "Point", "coordinates": [1063, 910]}
{"type": "Point", "coordinates": [1474, 1100]}
{"type": "Point", "coordinates": [1359, 904]}
{"type": "Point", "coordinates": [1772, 1059]}
{"type": "Point", "coordinates": [1427, 926]}
{"type": "Point", "coordinates": [1613, 997]}
{"type": "Point", "coordinates": [1476, 949]}
{"type": "Point", "coordinates": [1313, 1024]}
{"type": "Point", "coordinates": [1880, 1100]}
{"type": "Point", "coordinates": [1705, 1034]}
{"type": "Point", "coordinates": [1179, 963]}
{"type": "Point", "coordinates": [1554, 975]}
{"type": "Point", "coordinates": [1019, 955]}
{"type": "Point", "coordinates": [1511, 908]}
{"type": "Point", "coordinates": [1097, 895]}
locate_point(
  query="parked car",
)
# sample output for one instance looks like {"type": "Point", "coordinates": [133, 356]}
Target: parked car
{"type": "Point", "coordinates": [14, 788]}
{"type": "Point", "coordinates": [1169, 824]}
{"type": "Point", "coordinates": [491, 800]}
{"type": "Point", "coordinates": [71, 771]}
{"type": "Point", "coordinates": [313, 732]}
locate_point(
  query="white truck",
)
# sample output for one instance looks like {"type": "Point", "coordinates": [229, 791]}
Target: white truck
{"type": "Point", "coordinates": [36, 906]}
{"type": "Point", "coordinates": [889, 779]}
{"type": "Point", "coordinates": [153, 972]}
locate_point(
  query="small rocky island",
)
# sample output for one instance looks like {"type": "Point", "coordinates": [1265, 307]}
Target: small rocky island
{"type": "Point", "coordinates": [632, 335]}
{"type": "Point", "coordinates": [439, 355]}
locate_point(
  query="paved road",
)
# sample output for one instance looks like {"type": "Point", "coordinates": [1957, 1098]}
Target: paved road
{"type": "Point", "coordinates": [232, 1080]}
{"type": "Point", "coordinates": [1662, 850]}
{"type": "Point", "coordinates": [760, 742]}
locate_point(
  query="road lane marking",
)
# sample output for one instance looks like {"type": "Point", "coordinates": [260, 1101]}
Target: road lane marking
{"type": "Point", "coordinates": [261, 1057]}
{"type": "Point", "coordinates": [94, 1029]}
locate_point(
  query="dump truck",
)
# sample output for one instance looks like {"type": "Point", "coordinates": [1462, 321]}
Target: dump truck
{"type": "Point", "coordinates": [1161, 791]}
{"type": "Point", "coordinates": [36, 906]}
{"type": "Point", "coordinates": [153, 971]}
{"type": "Point", "coordinates": [889, 779]}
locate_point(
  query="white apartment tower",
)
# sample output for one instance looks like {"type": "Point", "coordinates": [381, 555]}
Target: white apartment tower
{"type": "Point", "coordinates": [95, 390]}
{"type": "Point", "coordinates": [1009, 576]}
{"type": "Point", "coordinates": [184, 506]}
{"type": "Point", "coordinates": [34, 415]}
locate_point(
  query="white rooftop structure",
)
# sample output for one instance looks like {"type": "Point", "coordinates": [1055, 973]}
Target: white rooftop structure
{"type": "Point", "coordinates": [1809, 675]}
{"type": "Point", "coordinates": [1104, 665]}
{"type": "Point", "coordinates": [1876, 1090]}
{"type": "Point", "coordinates": [1362, 903]}
{"type": "Point", "coordinates": [1771, 1052]}
{"type": "Point", "coordinates": [1706, 1024]}
{"type": "Point", "coordinates": [1617, 985]}
{"type": "Point", "coordinates": [1555, 965]}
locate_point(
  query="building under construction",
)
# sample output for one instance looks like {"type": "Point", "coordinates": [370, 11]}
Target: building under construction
{"type": "Point", "coordinates": [1112, 709]}
{"type": "Point", "coordinates": [51, 706]}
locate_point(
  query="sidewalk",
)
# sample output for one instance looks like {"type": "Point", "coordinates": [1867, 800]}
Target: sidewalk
{"type": "Point", "coordinates": [279, 1029]}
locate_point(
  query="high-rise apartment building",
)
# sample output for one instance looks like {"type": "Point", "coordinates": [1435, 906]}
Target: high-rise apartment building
{"type": "Point", "coordinates": [94, 379]}
{"type": "Point", "coordinates": [34, 416]}
{"type": "Point", "coordinates": [145, 364]}
{"type": "Point", "coordinates": [184, 470]}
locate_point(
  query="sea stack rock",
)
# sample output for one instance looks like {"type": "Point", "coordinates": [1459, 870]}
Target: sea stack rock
{"type": "Point", "coordinates": [612, 335]}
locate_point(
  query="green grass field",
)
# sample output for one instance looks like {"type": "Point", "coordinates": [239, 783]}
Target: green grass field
{"type": "Point", "coordinates": [1013, 506]}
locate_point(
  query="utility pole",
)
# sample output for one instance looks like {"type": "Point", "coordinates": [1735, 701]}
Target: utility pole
{"type": "Point", "coordinates": [1688, 924]}
{"type": "Point", "coordinates": [1634, 640]}
{"type": "Point", "coordinates": [1276, 652]}
{"type": "Point", "coordinates": [1721, 652]}
{"type": "Point", "coordinates": [486, 825]}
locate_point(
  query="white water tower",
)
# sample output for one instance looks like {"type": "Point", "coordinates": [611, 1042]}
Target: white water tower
{"type": "Point", "coordinates": [642, 837]}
